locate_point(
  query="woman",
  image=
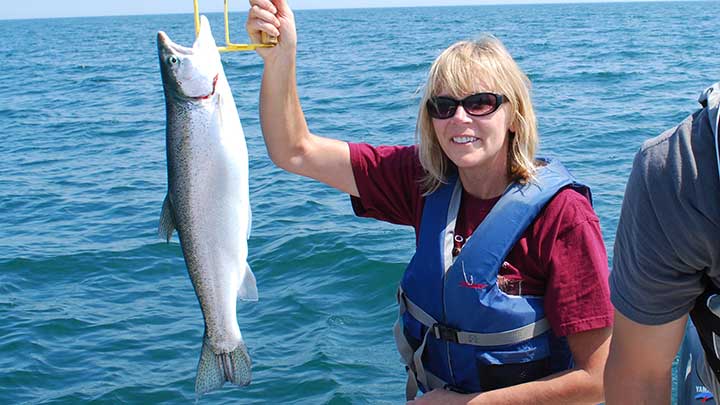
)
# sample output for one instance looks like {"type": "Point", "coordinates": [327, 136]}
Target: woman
{"type": "Point", "coordinates": [519, 313]}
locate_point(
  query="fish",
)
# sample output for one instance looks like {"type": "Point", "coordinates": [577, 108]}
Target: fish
{"type": "Point", "coordinates": [207, 200]}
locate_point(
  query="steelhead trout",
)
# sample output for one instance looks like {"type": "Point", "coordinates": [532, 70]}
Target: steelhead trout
{"type": "Point", "coordinates": [208, 199]}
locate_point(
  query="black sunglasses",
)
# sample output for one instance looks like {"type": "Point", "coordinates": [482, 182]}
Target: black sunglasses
{"type": "Point", "coordinates": [477, 105]}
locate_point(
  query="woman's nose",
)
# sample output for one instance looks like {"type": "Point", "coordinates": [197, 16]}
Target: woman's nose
{"type": "Point", "coordinates": [461, 115]}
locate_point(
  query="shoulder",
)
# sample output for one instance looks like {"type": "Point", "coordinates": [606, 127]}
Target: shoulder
{"type": "Point", "coordinates": [384, 154]}
{"type": "Point", "coordinates": [566, 234]}
{"type": "Point", "coordinates": [566, 210]}
{"type": "Point", "coordinates": [380, 164]}
{"type": "Point", "coordinates": [387, 178]}
{"type": "Point", "coordinates": [680, 152]}
{"type": "Point", "coordinates": [673, 174]}
{"type": "Point", "coordinates": [660, 161]}
{"type": "Point", "coordinates": [572, 253]}
{"type": "Point", "coordinates": [658, 146]}
{"type": "Point", "coordinates": [669, 174]}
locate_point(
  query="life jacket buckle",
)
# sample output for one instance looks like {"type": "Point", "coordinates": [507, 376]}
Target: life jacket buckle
{"type": "Point", "coordinates": [445, 333]}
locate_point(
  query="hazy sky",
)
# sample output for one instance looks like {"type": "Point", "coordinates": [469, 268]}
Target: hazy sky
{"type": "Point", "coordinates": [75, 8]}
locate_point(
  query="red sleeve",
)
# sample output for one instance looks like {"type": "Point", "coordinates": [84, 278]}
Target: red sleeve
{"type": "Point", "coordinates": [387, 180]}
{"type": "Point", "coordinates": [577, 297]}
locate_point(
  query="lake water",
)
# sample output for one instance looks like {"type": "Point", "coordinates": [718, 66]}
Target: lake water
{"type": "Point", "coordinates": [95, 308]}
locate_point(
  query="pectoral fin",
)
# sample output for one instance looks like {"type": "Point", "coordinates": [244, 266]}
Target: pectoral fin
{"type": "Point", "coordinates": [249, 223]}
{"type": "Point", "coordinates": [167, 222]}
{"type": "Point", "coordinates": [248, 286]}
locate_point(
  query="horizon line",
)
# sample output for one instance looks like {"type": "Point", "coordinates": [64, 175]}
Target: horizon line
{"type": "Point", "coordinates": [489, 3]}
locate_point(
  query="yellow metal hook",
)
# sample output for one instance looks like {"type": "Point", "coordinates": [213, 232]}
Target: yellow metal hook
{"type": "Point", "coordinates": [268, 41]}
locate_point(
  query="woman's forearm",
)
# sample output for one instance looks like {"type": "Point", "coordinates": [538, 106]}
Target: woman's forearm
{"type": "Point", "coordinates": [575, 386]}
{"type": "Point", "coordinates": [281, 116]}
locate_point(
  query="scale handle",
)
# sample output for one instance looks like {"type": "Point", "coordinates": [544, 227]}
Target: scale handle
{"type": "Point", "coordinates": [269, 39]}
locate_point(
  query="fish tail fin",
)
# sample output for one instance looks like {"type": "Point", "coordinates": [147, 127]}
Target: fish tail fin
{"type": "Point", "coordinates": [247, 290]}
{"type": "Point", "coordinates": [215, 369]}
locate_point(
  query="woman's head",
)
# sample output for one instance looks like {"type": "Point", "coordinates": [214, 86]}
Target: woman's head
{"type": "Point", "coordinates": [466, 68]}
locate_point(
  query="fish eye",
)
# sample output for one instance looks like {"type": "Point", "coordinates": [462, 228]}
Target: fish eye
{"type": "Point", "coordinates": [172, 59]}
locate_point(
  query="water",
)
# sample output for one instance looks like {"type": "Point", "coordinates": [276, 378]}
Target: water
{"type": "Point", "coordinates": [95, 308]}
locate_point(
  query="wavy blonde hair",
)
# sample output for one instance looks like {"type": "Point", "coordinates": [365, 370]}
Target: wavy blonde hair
{"type": "Point", "coordinates": [457, 71]}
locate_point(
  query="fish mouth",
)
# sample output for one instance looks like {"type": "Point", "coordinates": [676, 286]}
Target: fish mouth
{"type": "Point", "coordinates": [191, 78]}
{"type": "Point", "coordinates": [212, 93]}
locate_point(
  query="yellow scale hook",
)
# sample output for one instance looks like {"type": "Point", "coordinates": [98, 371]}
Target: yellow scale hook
{"type": "Point", "coordinates": [268, 41]}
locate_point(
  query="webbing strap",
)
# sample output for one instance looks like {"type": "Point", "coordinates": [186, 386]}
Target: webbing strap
{"type": "Point", "coordinates": [449, 232]}
{"type": "Point", "coordinates": [707, 322]}
{"type": "Point", "coordinates": [414, 310]}
{"type": "Point", "coordinates": [714, 122]}
{"type": "Point", "coordinates": [413, 359]}
{"type": "Point", "coordinates": [505, 338]}
{"type": "Point", "coordinates": [472, 338]}
{"type": "Point", "coordinates": [710, 99]}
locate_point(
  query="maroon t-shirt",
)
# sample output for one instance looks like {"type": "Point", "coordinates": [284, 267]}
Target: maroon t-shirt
{"type": "Point", "coordinates": [560, 256]}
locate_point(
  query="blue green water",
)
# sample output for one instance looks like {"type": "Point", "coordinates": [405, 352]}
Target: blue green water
{"type": "Point", "coordinates": [95, 308]}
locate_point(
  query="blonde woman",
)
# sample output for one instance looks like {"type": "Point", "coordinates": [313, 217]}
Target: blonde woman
{"type": "Point", "coordinates": [506, 299]}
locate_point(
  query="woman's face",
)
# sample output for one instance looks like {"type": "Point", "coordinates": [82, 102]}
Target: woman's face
{"type": "Point", "coordinates": [473, 142]}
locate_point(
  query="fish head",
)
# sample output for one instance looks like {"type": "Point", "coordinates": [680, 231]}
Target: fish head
{"type": "Point", "coordinates": [190, 73]}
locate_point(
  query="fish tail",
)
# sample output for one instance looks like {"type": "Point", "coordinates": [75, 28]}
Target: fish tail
{"type": "Point", "coordinates": [215, 369]}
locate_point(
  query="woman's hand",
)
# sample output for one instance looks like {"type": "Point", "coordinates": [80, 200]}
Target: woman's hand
{"type": "Point", "coordinates": [275, 19]}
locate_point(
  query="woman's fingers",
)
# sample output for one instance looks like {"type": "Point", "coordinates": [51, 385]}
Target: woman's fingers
{"type": "Point", "coordinates": [261, 20]}
{"type": "Point", "coordinates": [282, 6]}
{"type": "Point", "coordinates": [274, 18]}
{"type": "Point", "coordinates": [264, 4]}
{"type": "Point", "coordinates": [257, 12]}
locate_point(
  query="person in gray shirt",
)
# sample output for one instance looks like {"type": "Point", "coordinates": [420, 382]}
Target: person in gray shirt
{"type": "Point", "coordinates": [667, 260]}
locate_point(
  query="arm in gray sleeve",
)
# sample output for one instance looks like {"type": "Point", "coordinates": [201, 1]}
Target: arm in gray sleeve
{"type": "Point", "coordinates": [652, 282]}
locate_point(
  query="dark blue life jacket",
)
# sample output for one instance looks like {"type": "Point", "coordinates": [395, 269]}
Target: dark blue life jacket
{"type": "Point", "coordinates": [457, 329]}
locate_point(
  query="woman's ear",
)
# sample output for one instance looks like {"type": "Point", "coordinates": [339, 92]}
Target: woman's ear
{"type": "Point", "coordinates": [512, 125]}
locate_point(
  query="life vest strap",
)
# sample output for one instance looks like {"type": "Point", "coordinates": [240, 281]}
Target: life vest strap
{"type": "Point", "coordinates": [450, 334]}
{"type": "Point", "coordinates": [710, 99]}
{"type": "Point", "coordinates": [413, 358]}
{"type": "Point", "coordinates": [706, 317]}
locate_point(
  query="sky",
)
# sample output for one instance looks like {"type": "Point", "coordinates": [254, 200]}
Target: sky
{"type": "Point", "coordinates": [77, 8]}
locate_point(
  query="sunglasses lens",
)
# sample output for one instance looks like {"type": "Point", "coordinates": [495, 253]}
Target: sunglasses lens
{"type": "Point", "coordinates": [480, 104]}
{"type": "Point", "coordinates": [441, 107]}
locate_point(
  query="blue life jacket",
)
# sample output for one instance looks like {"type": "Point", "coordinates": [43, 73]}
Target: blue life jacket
{"type": "Point", "coordinates": [457, 329]}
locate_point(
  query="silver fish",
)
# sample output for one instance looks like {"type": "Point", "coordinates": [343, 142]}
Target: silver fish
{"type": "Point", "coordinates": [208, 199]}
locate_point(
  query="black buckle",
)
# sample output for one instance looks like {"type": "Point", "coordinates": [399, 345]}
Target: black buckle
{"type": "Point", "coordinates": [445, 333]}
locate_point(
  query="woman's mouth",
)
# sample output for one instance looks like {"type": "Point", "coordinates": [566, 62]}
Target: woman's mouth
{"type": "Point", "coordinates": [463, 139]}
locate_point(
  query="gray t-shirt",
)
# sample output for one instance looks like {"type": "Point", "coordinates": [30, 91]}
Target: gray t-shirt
{"type": "Point", "coordinates": [668, 236]}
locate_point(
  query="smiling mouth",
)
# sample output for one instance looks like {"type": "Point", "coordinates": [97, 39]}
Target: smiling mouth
{"type": "Point", "coordinates": [462, 140]}
{"type": "Point", "coordinates": [215, 79]}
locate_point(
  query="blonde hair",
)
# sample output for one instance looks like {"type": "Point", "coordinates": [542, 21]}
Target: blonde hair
{"type": "Point", "coordinates": [457, 71]}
